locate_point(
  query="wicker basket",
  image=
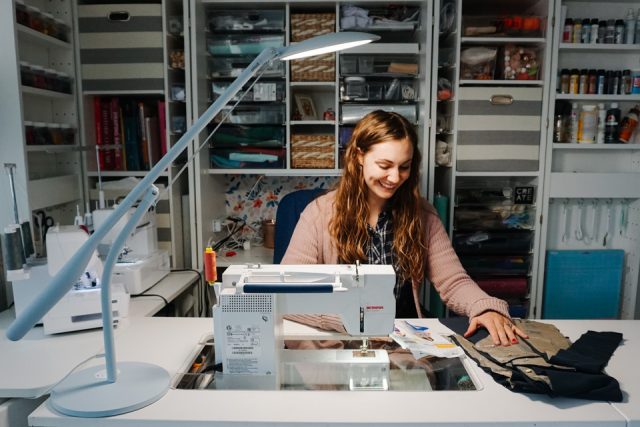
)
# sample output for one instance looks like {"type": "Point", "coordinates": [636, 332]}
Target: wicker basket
{"type": "Point", "coordinates": [321, 68]}
{"type": "Point", "coordinates": [307, 25]}
{"type": "Point", "coordinates": [313, 151]}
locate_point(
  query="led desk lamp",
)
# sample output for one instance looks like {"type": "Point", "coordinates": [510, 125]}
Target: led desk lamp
{"type": "Point", "coordinates": [97, 391]}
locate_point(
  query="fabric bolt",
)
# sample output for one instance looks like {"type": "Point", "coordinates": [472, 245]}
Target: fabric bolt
{"type": "Point", "coordinates": [547, 362]}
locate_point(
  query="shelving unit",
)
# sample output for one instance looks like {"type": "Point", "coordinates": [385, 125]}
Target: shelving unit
{"type": "Point", "coordinates": [465, 164]}
{"type": "Point", "coordinates": [130, 104]}
{"type": "Point", "coordinates": [49, 176]}
{"type": "Point", "coordinates": [325, 91]}
{"type": "Point", "coordinates": [591, 190]}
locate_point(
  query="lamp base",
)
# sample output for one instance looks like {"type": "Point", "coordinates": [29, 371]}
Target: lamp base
{"type": "Point", "coordinates": [88, 394]}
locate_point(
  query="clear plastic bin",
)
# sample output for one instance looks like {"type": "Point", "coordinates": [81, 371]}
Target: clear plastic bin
{"type": "Point", "coordinates": [248, 158]}
{"type": "Point", "coordinates": [478, 63]}
{"type": "Point", "coordinates": [248, 114]}
{"type": "Point", "coordinates": [503, 26]}
{"type": "Point", "coordinates": [233, 66]}
{"type": "Point", "coordinates": [478, 266]}
{"type": "Point", "coordinates": [515, 242]}
{"type": "Point", "coordinates": [260, 92]}
{"type": "Point", "coordinates": [494, 217]}
{"type": "Point", "coordinates": [230, 136]}
{"type": "Point", "coordinates": [244, 44]}
{"type": "Point", "coordinates": [246, 20]}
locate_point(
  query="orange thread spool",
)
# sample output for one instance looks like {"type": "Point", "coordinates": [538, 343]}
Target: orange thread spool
{"type": "Point", "coordinates": [210, 271]}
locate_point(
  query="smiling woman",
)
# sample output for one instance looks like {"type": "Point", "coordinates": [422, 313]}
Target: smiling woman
{"type": "Point", "coordinates": [376, 215]}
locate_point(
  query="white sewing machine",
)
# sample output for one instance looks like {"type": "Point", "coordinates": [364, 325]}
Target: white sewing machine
{"type": "Point", "coordinates": [141, 265]}
{"type": "Point", "coordinates": [252, 301]}
{"type": "Point", "coordinates": [80, 308]}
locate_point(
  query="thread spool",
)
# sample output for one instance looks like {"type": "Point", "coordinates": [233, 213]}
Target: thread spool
{"type": "Point", "coordinates": [27, 239]}
{"type": "Point", "coordinates": [210, 270]}
{"type": "Point", "coordinates": [268, 233]}
{"type": "Point", "coordinates": [12, 251]}
{"type": "Point", "coordinates": [441, 203]}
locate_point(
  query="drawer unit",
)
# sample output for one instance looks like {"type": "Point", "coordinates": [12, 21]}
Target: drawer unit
{"type": "Point", "coordinates": [499, 129]}
{"type": "Point", "coordinates": [121, 47]}
{"type": "Point", "coordinates": [246, 20]}
{"type": "Point", "coordinates": [248, 158]}
{"type": "Point", "coordinates": [351, 114]}
{"type": "Point", "coordinates": [251, 115]}
{"type": "Point", "coordinates": [232, 66]}
{"type": "Point", "coordinates": [244, 44]}
{"type": "Point", "coordinates": [516, 242]}
{"type": "Point", "coordinates": [232, 136]}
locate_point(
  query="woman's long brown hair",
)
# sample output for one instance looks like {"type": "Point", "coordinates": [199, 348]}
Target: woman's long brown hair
{"type": "Point", "coordinates": [348, 227]}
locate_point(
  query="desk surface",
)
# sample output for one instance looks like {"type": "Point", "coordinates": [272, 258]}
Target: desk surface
{"type": "Point", "coordinates": [29, 367]}
{"type": "Point", "coordinates": [255, 255]}
{"type": "Point", "coordinates": [169, 342]}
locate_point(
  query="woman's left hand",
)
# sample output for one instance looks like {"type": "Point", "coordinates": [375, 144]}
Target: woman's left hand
{"type": "Point", "coordinates": [501, 328]}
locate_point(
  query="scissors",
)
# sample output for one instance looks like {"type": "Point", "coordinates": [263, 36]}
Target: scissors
{"type": "Point", "coordinates": [44, 223]}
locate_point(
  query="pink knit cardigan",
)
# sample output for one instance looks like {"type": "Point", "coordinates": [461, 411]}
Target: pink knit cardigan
{"type": "Point", "coordinates": [311, 244]}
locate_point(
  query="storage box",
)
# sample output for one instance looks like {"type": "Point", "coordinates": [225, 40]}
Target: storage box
{"type": "Point", "coordinates": [243, 44]}
{"type": "Point", "coordinates": [231, 136]}
{"type": "Point", "coordinates": [313, 151]}
{"type": "Point", "coordinates": [233, 66]}
{"type": "Point", "coordinates": [321, 68]}
{"type": "Point", "coordinates": [248, 158]}
{"type": "Point", "coordinates": [478, 63]}
{"type": "Point", "coordinates": [503, 26]}
{"type": "Point", "coordinates": [246, 20]}
{"type": "Point", "coordinates": [121, 47]}
{"type": "Point", "coordinates": [519, 63]}
{"type": "Point", "coordinates": [353, 113]}
{"type": "Point", "coordinates": [249, 114]}
{"type": "Point", "coordinates": [583, 284]}
{"type": "Point", "coordinates": [494, 217]}
{"type": "Point", "coordinates": [515, 242]}
{"type": "Point", "coordinates": [307, 25]}
{"type": "Point", "coordinates": [499, 129]}
{"type": "Point", "coordinates": [479, 266]}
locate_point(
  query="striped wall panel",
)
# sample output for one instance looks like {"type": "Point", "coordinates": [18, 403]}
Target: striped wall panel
{"type": "Point", "coordinates": [121, 47]}
{"type": "Point", "coordinates": [496, 137]}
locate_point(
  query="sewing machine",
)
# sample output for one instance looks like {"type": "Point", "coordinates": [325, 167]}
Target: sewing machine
{"type": "Point", "coordinates": [140, 265]}
{"type": "Point", "coordinates": [251, 303]}
{"type": "Point", "coordinates": [80, 308]}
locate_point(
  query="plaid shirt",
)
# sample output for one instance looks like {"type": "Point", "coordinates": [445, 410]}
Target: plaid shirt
{"type": "Point", "coordinates": [380, 248]}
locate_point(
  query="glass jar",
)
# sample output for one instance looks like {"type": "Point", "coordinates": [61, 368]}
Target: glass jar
{"type": "Point", "coordinates": [28, 133]}
{"type": "Point", "coordinates": [62, 30]}
{"type": "Point", "coordinates": [50, 79]}
{"type": "Point", "coordinates": [355, 88]}
{"type": "Point", "coordinates": [40, 133]}
{"type": "Point", "coordinates": [68, 134]}
{"type": "Point", "coordinates": [38, 77]}
{"type": "Point", "coordinates": [35, 19]}
{"type": "Point", "coordinates": [55, 134]}
{"type": "Point", "coordinates": [64, 82]}
{"type": "Point", "coordinates": [26, 75]}
{"type": "Point", "coordinates": [22, 16]}
{"type": "Point", "coordinates": [564, 80]}
{"type": "Point", "coordinates": [48, 24]}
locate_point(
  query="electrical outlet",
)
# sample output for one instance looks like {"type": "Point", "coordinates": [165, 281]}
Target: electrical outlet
{"type": "Point", "coordinates": [216, 225]}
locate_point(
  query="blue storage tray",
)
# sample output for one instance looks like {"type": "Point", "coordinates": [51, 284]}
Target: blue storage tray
{"type": "Point", "coordinates": [583, 284]}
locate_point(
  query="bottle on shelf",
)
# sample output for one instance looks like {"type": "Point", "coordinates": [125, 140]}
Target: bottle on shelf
{"type": "Point", "coordinates": [628, 125]}
{"type": "Point", "coordinates": [629, 27]}
{"type": "Point", "coordinates": [636, 38]}
{"type": "Point", "coordinates": [610, 33]}
{"type": "Point", "coordinates": [595, 28]}
{"type": "Point", "coordinates": [587, 124]}
{"type": "Point", "coordinates": [619, 38]}
{"type": "Point", "coordinates": [611, 124]}
{"type": "Point", "coordinates": [567, 33]}
{"type": "Point", "coordinates": [602, 118]}
{"type": "Point", "coordinates": [602, 31]}
{"type": "Point", "coordinates": [586, 31]}
{"type": "Point", "coordinates": [560, 122]}
{"type": "Point", "coordinates": [573, 129]}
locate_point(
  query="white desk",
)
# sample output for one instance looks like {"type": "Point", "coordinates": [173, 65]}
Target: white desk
{"type": "Point", "coordinates": [29, 367]}
{"type": "Point", "coordinates": [169, 342]}
{"type": "Point", "coordinates": [255, 255]}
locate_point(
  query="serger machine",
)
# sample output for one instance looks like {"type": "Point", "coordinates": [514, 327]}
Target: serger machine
{"type": "Point", "coordinates": [140, 265]}
{"type": "Point", "coordinates": [248, 319]}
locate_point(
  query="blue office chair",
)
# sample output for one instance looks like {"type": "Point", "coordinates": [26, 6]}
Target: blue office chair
{"type": "Point", "coordinates": [287, 215]}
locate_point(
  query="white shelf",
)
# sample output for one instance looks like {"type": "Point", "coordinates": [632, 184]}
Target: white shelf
{"type": "Point", "coordinates": [568, 146]}
{"type": "Point", "coordinates": [41, 39]}
{"type": "Point", "coordinates": [466, 82]}
{"type": "Point", "coordinates": [28, 90]}
{"type": "Point", "coordinates": [47, 192]}
{"type": "Point", "coordinates": [600, 48]}
{"type": "Point", "coordinates": [313, 122]}
{"type": "Point", "coordinates": [586, 97]}
{"type": "Point", "coordinates": [499, 174]}
{"type": "Point", "coordinates": [52, 148]}
{"type": "Point", "coordinates": [120, 93]}
{"type": "Point", "coordinates": [309, 84]}
{"type": "Point", "coordinates": [594, 185]}
{"type": "Point", "coordinates": [485, 40]}
{"type": "Point", "coordinates": [386, 48]}
{"type": "Point", "coordinates": [276, 172]}
{"type": "Point", "coordinates": [122, 174]}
